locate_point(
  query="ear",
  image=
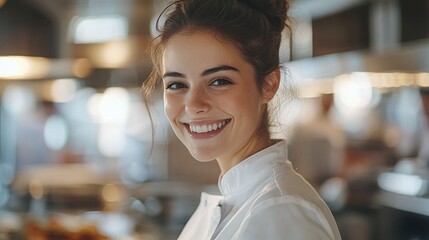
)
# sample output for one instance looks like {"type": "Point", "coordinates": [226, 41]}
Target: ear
{"type": "Point", "coordinates": [271, 85]}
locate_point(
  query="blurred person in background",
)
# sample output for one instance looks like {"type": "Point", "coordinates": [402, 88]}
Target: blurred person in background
{"type": "Point", "coordinates": [423, 151]}
{"type": "Point", "coordinates": [415, 146]}
{"type": "Point", "coordinates": [218, 62]}
{"type": "Point", "coordinates": [317, 146]}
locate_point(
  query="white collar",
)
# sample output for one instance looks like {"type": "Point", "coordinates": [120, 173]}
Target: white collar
{"type": "Point", "coordinates": [252, 170]}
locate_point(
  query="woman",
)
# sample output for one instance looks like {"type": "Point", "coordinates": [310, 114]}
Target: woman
{"type": "Point", "coordinates": [219, 64]}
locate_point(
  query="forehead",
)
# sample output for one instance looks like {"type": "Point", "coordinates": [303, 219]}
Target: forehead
{"type": "Point", "coordinates": [200, 50]}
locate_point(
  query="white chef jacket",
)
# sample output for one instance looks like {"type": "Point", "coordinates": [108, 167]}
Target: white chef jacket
{"type": "Point", "coordinates": [262, 198]}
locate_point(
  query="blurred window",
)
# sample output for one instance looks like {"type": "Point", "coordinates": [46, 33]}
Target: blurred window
{"type": "Point", "coordinates": [99, 29]}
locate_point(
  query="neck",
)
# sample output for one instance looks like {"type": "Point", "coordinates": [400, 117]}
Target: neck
{"type": "Point", "coordinates": [253, 146]}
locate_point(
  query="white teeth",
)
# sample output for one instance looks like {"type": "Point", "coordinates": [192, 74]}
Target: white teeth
{"type": "Point", "coordinates": [206, 128]}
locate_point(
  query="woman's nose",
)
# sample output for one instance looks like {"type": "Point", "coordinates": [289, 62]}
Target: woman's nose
{"type": "Point", "coordinates": [197, 102]}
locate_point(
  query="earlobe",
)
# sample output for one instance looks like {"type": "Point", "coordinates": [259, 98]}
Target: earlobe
{"type": "Point", "coordinates": [271, 85]}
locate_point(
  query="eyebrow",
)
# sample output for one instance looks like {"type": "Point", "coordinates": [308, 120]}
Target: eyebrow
{"type": "Point", "coordinates": [220, 68]}
{"type": "Point", "coordinates": [205, 73]}
{"type": "Point", "coordinates": [173, 74]}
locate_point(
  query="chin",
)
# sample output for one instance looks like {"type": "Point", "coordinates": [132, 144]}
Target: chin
{"type": "Point", "coordinates": [202, 157]}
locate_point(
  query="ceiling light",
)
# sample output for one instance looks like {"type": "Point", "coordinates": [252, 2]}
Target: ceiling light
{"type": "Point", "coordinates": [99, 29]}
{"type": "Point", "coordinates": [27, 68]}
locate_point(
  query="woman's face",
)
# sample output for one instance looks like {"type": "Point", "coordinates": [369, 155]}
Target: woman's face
{"type": "Point", "coordinates": [211, 98]}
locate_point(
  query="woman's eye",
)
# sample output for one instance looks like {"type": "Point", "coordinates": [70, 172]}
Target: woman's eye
{"type": "Point", "coordinates": [220, 82]}
{"type": "Point", "coordinates": [175, 85]}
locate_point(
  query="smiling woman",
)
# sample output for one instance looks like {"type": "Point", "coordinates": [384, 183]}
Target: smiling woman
{"type": "Point", "coordinates": [213, 86]}
{"type": "Point", "coordinates": [218, 62]}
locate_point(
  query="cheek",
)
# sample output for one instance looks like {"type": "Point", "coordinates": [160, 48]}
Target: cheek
{"type": "Point", "coordinates": [243, 106]}
{"type": "Point", "coordinates": [250, 106]}
{"type": "Point", "coordinates": [171, 107]}
{"type": "Point", "coordinates": [250, 98]}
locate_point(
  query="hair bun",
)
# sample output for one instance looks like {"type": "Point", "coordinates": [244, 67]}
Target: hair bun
{"type": "Point", "coordinates": [274, 10]}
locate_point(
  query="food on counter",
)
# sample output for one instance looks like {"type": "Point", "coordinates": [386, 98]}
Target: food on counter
{"type": "Point", "coordinates": [54, 230]}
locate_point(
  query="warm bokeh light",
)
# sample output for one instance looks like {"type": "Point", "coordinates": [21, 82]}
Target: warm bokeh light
{"type": "Point", "coordinates": [63, 90]}
{"type": "Point", "coordinates": [310, 89]}
{"type": "Point", "coordinates": [81, 67]}
{"type": "Point", "coordinates": [115, 54]}
{"type": "Point", "coordinates": [27, 68]}
{"type": "Point", "coordinates": [422, 79]}
{"type": "Point", "coordinates": [316, 87]}
{"type": "Point", "coordinates": [2, 2]}
{"type": "Point", "coordinates": [36, 189]}
{"type": "Point", "coordinates": [112, 193]}
{"type": "Point", "coordinates": [19, 67]}
{"type": "Point", "coordinates": [353, 92]}
{"type": "Point", "coordinates": [380, 80]}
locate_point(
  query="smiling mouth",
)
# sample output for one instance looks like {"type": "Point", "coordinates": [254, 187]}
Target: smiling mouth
{"type": "Point", "coordinates": [214, 127]}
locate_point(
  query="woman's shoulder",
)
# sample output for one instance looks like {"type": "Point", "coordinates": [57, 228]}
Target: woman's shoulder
{"type": "Point", "coordinates": [285, 182]}
{"type": "Point", "coordinates": [289, 215]}
{"type": "Point", "coordinates": [288, 202]}
{"type": "Point", "coordinates": [288, 190]}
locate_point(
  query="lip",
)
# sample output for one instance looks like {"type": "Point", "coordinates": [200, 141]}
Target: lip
{"type": "Point", "coordinates": [206, 135]}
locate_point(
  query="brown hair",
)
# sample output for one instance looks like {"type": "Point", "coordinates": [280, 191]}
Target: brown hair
{"type": "Point", "coordinates": [254, 26]}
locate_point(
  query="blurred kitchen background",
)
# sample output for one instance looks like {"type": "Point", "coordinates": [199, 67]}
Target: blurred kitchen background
{"type": "Point", "coordinates": [79, 158]}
